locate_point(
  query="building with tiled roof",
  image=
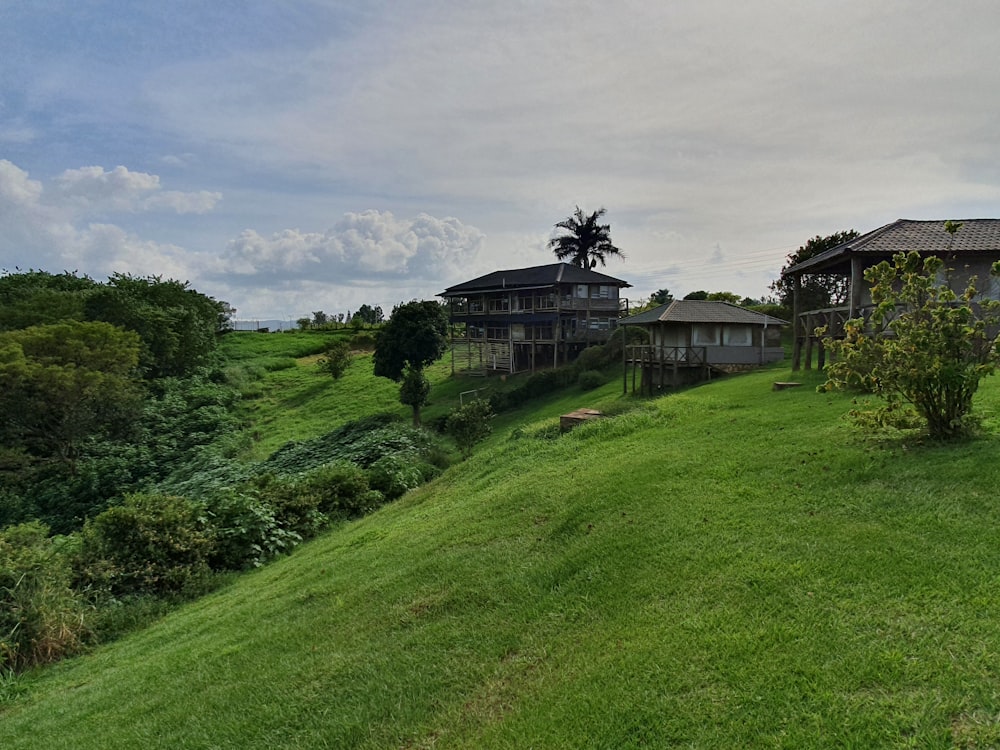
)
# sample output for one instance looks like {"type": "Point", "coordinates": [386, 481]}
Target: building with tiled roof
{"type": "Point", "coordinates": [970, 251]}
{"type": "Point", "coordinates": [523, 319]}
{"type": "Point", "coordinates": [688, 339]}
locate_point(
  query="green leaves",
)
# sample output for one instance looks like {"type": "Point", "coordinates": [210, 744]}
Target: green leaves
{"type": "Point", "coordinates": [924, 349]}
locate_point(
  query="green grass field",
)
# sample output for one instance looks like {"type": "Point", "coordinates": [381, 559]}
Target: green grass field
{"type": "Point", "coordinates": [725, 567]}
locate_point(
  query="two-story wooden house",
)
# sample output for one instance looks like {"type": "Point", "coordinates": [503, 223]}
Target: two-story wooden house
{"type": "Point", "coordinates": [524, 319]}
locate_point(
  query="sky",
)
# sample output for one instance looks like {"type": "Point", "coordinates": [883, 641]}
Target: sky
{"type": "Point", "coordinates": [315, 155]}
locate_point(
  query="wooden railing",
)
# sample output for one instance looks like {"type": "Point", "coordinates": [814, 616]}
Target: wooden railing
{"type": "Point", "coordinates": [689, 356]}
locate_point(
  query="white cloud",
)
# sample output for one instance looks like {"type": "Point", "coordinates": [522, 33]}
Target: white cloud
{"type": "Point", "coordinates": [94, 190]}
{"type": "Point", "coordinates": [50, 229]}
{"type": "Point", "coordinates": [360, 247]}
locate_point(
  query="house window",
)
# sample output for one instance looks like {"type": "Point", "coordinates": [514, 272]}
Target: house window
{"type": "Point", "coordinates": [499, 304]}
{"type": "Point", "coordinates": [517, 332]}
{"type": "Point", "coordinates": [737, 336]}
{"type": "Point", "coordinates": [601, 292]}
{"type": "Point", "coordinates": [581, 291]}
{"type": "Point", "coordinates": [497, 332]}
{"type": "Point", "coordinates": [704, 334]}
{"type": "Point", "coordinates": [600, 324]}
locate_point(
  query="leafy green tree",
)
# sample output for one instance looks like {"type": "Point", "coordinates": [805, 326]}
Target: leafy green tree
{"type": "Point", "coordinates": [925, 351]}
{"type": "Point", "coordinates": [661, 297]}
{"type": "Point", "coordinates": [414, 337]}
{"type": "Point", "coordinates": [368, 315]}
{"type": "Point", "coordinates": [700, 294]}
{"type": "Point", "coordinates": [178, 326]}
{"type": "Point", "coordinates": [336, 358]}
{"type": "Point", "coordinates": [65, 383]}
{"type": "Point", "coordinates": [470, 424]}
{"type": "Point", "coordinates": [414, 390]}
{"type": "Point", "coordinates": [586, 242]}
{"type": "Point", "coordinates": [39, 298]}
{"type": "Point", "coordinates": [818, 291]}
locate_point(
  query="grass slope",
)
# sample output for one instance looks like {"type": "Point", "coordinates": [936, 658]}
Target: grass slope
{"type": "Point", "coordinates": [725, 567]}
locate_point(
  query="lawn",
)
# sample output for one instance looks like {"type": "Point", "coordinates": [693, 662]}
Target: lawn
{"type": "Point", "coordinates": [729, 566]}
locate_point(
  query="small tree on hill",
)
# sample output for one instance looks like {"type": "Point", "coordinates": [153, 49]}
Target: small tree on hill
{"type": "Point", "coordinates": [470, 424]}
{"type": "Point", "coordinates": [414, 337]}
{"type": "Point", "coordinates": [336, 358]}
{"type": "Point", "coordinates": [925, 352]}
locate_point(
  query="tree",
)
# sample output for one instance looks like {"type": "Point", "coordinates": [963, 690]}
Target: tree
{"type": "Point", "coordinates": [586, 242]}
{"type": "Point", "coordinates": [336, 358]}
{"type": "Point", "coordinates": [700, 294]}
{"type": "Point", "coordinates": [414, 337]}
{"type": "Point", "coordinates": [661, 297]}
{"type": "Point", "coordinates": [37, 297]}
{"type": "Point", "coordinates": [320, 318]}
{"type": "Point", "coordinates": [414, 389]}
{"type": "Point", "coordinates": [470, 424]}
{"type": "Point", "coordinates": [925, 352]}
{"type": "Point", "coordinates": [62, 384]}
{"type": "Point", "coordinates": [178, 326]}
{"type": "Point", "coordinates": [368, 315]}
{"type": "Point", "coordinates": [817, 291]}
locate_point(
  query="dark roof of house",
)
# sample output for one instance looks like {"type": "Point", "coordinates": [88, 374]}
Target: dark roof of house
{"type": "Point", "coordinates": [904, 235]}
{"type": "Point", "coordinates": [702, 311]}
{"type": "Point", "coordinates": [533, 278]}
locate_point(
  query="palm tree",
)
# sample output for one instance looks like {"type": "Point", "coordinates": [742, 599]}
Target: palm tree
{"type": "Point", "coordinates": [587, 242]}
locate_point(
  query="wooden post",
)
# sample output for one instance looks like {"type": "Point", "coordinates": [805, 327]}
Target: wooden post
{"type": "Point", "coordinates": [809, 341]}
{"type": "Point", "coordinates": [796, 311]}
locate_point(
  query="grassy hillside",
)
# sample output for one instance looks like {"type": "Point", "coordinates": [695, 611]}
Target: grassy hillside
{"type": "Point", "coordinates": [726, 567]}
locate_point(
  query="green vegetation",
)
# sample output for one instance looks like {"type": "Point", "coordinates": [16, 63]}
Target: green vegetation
{"type": "Point", "coordinates": [725, 567]}
{"type": "Point", "coordinates": [583, 241]}
{"type": "Point", "coordinates": [415, 337]}
{"type": "Point", "coordinates": [469, 424]}
{"type": "Point", "coordinates": [924, 351]}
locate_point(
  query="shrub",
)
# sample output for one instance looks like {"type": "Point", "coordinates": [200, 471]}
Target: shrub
{"type": "Point", "coordinates": [588, 380]}
{"type": "Point", "coordinates": [156, 544]}
{"type": "Point", "coordinates": [394, 475]}
{"type": "Point", "coordinates": [246, 531]}
{"type": "Point", "coordinates": [940, 344]}
{"type": "Point", "coordinates": [336, 358]}
{"type": "Point", "coordinates": [470, 424]}
{"type": "Point", "coordinates": [341, 489]}
{"type": "Point", "coordinates": [41, 617]}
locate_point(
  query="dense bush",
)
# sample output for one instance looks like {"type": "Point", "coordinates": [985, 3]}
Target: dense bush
{"type": "Point", "coordinates": [246, 530]}
{"type": "Point", "coordinates": [41, 617]}
{"type": "Point", "coordinates": [341, 489]}
{"type": "Point", "coordinates": [361, 442]}
{"type": "Point", "coordinates": [394, 475]}
{"type": "Point", "coordinates": [151, 544]}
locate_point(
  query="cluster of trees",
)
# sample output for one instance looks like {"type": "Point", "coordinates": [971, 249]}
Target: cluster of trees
{"type": "Point", "coordinates": [366, 315]}
{"type": "Point", "coordinates": [89, 373]}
